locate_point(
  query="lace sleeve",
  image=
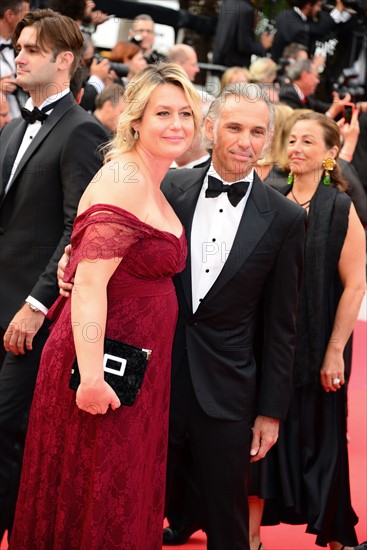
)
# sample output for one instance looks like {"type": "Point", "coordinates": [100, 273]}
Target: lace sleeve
{"type": "Point", "coordinates": [103, 234]}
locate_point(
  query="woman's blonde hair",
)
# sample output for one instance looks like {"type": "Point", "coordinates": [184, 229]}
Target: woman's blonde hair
{"type": "Point", "coordinates": [230, 76]}
{"type": "Point", "coordinates": [263, 69]}
{"type": "Point", "coordinates": [279, 143]}
{"type": "Point", "coordinates": [137, 95]}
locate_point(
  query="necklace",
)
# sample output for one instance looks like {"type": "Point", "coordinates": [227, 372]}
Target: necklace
{"type": "Point", "coordinates": [304, 204]}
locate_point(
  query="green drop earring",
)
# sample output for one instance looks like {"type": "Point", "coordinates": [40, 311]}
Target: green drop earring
{"type": "Point", "coordinates": [290, 178]}
{"type": "Point", "coordinates": [328, 165]}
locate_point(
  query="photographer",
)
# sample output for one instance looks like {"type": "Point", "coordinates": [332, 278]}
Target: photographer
{"type": "Point", "coordinates": [97, 74]}
{"type": "Point", "coordinates": [305, 23]}
{"type": "Point", "coordinates": [143, 35]}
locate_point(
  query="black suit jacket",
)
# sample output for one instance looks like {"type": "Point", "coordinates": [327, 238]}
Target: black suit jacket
{"type": "Point", "coordinates": [234, 41]}
{"type": "Point", "coordinates": [261, 276]}
{"type": "Point", "coordinates": [290, 28]}
{"type": "Point", "coordinates": [288, 95]}
{"type": "Point", "coordinates": [37, 213]}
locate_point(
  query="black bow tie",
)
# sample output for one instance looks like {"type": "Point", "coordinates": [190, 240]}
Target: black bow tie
{"type": "Point", "coordinates": [37, 114]}
{"type": "Point", "coordinates": [3, 46]}
{"type": "Point", "coordinates": [32, 116]}
{"type": "Point", "coordinates": [235, 191]}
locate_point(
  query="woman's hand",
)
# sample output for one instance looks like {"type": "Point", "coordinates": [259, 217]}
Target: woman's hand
{"type": "Point", "coordinates": [332, 371]}
{"type": "Point", "coordinates": [96, 398]}
{"type": "Point", "coordinates": [350, 133]}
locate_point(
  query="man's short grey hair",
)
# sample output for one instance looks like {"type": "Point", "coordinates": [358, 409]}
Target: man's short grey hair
{"type": "Point", "coordinates": [246, 90]}
{"type": "Point", "coordinates": [295, 70]}
{"type": "Point", "coordinates": [143, 17]}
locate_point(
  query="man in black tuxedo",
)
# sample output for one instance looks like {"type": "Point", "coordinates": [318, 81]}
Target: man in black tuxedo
{"type": "Point", "coordinates": [46, 162]}
{"type": "Point", "coordinates": [244, 266]}
{"type": "Point", "coordinates": [235, 42]}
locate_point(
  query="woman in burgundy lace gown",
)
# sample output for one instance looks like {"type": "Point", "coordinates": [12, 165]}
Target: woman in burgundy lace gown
{"type": "Point", "coordinates": [94, 471]}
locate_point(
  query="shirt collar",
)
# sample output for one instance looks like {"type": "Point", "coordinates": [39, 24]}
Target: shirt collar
{"type": "Point", "coordinates": [29, 103]}
{"type": "Point", "coordinates": [302, 15]}
{"type": "Point", "coordinates": [299, 92]}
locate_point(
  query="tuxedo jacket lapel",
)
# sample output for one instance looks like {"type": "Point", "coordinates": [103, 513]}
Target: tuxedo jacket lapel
{"type": "Point", "coordinates": [10, 151]}
{"type": "Point", "coordinates": [254, 223]}
{"type": "Point", "coordinates": [184, 196]}
{"type": "Point", "coordinates": [61, 108]}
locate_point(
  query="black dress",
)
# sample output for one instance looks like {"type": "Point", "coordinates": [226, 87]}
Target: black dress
{"type": "Point", "coordinates": [305, 476]}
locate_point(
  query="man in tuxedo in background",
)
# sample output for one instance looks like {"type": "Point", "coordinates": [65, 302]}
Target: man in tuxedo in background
{"type": "Point", "coordinates": [299, 93]}
{"type": "Point", "coordinates": [305, 23]}
{"type": "Point", "coordinates": [11, 12]}
{"type": "Point", "coordinates": [46, 161]}
{"type": "Point", "coordinates": [245, 262]}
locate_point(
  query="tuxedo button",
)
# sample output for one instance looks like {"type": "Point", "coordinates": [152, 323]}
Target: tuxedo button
{"type": "Point", "coordinates": [207, 271]}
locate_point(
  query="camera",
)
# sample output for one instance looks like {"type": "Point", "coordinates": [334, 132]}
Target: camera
{"type": "Point", "coordinates": [121, 69]}
{"type": "Point", "coordinates": [343, 85]}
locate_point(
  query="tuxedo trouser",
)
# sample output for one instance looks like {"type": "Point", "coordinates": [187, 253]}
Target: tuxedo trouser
{"type": "Point", "coordinates": [220, 451]}
{"type": "Point", "coordinates": [18, 374]}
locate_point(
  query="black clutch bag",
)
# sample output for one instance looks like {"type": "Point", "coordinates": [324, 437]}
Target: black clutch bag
{"type": "Point", "coordinates": [124, 368]}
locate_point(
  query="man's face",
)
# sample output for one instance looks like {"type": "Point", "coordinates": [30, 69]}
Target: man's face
{"type": "Point", "coordinates": [144, 29]}
{"type": "Point", "coordinates": [190, 66]}
{"type": "Point", "coordinates": [309, 81]}
{"type": "Point", "coordinates": [4, 111]}
{"type": "Point", "coordinates": [36, 69]}
{"type": "Point", "coordinates": [239, 136]}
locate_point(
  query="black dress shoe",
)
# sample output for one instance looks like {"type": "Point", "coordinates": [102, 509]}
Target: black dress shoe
{"type": "Point", "coordinates": [173, 537]}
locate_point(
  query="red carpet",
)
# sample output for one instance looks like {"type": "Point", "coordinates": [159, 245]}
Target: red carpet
{"type": "Point", "coordinates": [286, 537]}
{"type": "Point", "coordinates": [289, 537]}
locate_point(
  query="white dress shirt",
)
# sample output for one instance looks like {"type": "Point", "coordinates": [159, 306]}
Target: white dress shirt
{"type": "Point", "coordinates": [214, 228]}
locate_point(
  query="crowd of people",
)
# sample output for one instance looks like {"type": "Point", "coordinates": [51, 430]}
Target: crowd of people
{"type": "Point", "coordinates": [222, 231]}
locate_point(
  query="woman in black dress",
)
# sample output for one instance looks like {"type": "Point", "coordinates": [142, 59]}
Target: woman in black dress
{"type": "Point", "coordinates": [305, 480]}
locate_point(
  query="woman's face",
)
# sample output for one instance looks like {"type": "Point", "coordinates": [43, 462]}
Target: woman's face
{"type": "Point", "coordinates": [166, 129]}
{"type": "Point", "coordinates": [307, 149]}
{"type": "Point", "coordinates": [136, 64]}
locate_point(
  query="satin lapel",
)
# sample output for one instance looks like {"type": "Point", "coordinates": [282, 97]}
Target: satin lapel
{"type": "Point", "coordinates": [255, 221]}
{"type": "Point", "coordinates": [10, 152]}
{"type": "Point", "coordinates": [183, 196]}
{"type": "Point", "coordinates": [65, 105]}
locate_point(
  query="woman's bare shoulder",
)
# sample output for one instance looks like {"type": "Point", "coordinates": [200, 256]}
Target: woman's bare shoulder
{"type": "Point", "coordinates": [119, 182]}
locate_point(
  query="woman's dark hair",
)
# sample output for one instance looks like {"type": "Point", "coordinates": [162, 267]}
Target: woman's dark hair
{"type": "Point", "coordinates": [331, 133]}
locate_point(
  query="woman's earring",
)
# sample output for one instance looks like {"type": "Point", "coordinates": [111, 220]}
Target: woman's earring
{"type": "Point", "coordinates": [290, 178]}
{"type": "Point", "coordinates": [136, 134]}
{"type": "Point", "coordinates": [328, 165]}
